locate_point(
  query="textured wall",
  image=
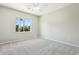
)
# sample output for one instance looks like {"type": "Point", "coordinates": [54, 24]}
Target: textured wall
{"type": "Point", "coordinates": [8, 25]}
{"type": "Point", "coordinates": [61, 25]}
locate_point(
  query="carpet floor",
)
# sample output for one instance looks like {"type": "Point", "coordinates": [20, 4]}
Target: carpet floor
{"type": "Point", "coordinates": [38, 47]}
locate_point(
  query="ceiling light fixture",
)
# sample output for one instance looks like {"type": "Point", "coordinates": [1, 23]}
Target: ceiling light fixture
{"type": "Point", "coordinates": [36, 7]}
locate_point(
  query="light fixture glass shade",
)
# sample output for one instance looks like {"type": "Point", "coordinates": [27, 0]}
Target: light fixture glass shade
{"type": "Point", "coordinates": [36, 8]}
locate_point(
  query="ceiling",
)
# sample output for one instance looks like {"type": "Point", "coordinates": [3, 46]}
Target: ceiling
{"type": "Point", "coordinates": [27, 7]}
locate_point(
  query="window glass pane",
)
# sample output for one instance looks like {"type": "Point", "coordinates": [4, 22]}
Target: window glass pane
{"type": "Point", "coordinates": [17, 24]}
{"type": "Point", "coordinates": [17, 21]}
{"type": "Point", "coordinates": [23, 25]}
{"type": "Point", "coordinates": [27, 24]}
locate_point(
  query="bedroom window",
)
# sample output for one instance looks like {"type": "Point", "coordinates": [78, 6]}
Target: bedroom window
{"type": "Point", "coordinates": [23, 25]}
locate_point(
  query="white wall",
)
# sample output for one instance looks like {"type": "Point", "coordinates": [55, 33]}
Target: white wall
{"type": "Point", "coordinates": [8, 25]}
{"type": "Point", "coordinates": [61, 25]}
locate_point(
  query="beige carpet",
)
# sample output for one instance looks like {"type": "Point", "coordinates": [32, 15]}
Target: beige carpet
{"type": "Point", "coordinates": [37, 47]}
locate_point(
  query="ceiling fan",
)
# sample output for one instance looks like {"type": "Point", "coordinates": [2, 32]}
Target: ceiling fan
{"type": "Point", "coordinates": [36, 6]}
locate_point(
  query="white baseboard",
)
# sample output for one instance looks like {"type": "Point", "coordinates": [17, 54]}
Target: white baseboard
{"type": "Point", "coordinates": [67, 43]}
{"type": "Point", "coordinates": [6, 42]}
{"type": "Point", "coordinates": [14, 41]}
